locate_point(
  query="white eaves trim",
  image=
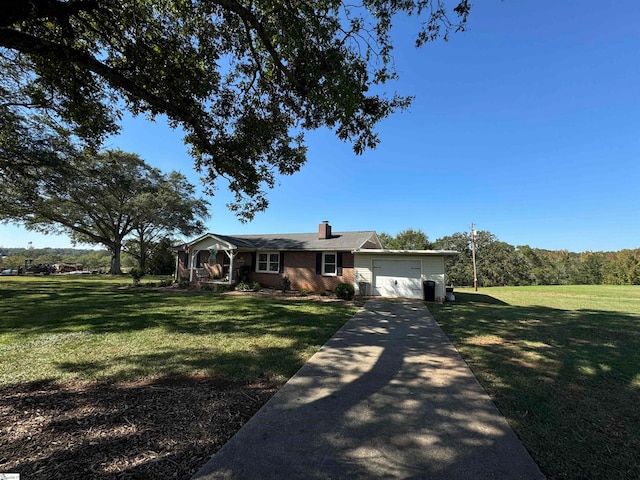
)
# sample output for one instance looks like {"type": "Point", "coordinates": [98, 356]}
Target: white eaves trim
{"type": "Point", "coordinates": [373, 251]}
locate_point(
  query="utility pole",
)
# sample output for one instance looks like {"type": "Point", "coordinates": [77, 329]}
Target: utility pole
{"type": "Point", "coordinates": [473, 256]}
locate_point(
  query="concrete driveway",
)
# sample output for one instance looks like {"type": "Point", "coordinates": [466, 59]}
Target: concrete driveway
{"type": "Point", "coordinates": [388, 396]}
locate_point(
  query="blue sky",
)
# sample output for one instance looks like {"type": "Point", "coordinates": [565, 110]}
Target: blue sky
{"type": "Point", "coordinates": [528, 125]}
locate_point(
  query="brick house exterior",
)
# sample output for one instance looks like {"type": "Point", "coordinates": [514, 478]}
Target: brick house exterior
{"type": "Point", "coordinates": [312, 261]}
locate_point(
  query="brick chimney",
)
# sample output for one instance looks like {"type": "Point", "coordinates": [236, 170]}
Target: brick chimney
{"type": "Point", "coordinates": [324, 230]}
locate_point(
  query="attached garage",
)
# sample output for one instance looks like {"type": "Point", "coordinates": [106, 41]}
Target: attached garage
{"type": "Point", "coordinates": [400, 273]}
{"type": "Point", "coordinates": [397, 278]}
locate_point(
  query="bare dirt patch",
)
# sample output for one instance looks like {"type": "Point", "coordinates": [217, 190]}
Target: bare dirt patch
{"type": "Point", "coordinates": [142, 430]}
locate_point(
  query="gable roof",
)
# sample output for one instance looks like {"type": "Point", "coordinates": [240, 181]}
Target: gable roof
{"type": "Point", "coordinates": [345, 241]}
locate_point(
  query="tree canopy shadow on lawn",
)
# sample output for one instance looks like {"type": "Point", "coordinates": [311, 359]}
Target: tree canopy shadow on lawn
{"type": "Point", "coordinates": [259, 363]}
{"type": "Point", "coordinates": [147, 333]}
{"type": "Point", "coordinates": [567, 380]}
{"type": "Point", "coordinates": [130, 310]}
{"type": "Point", "coordinates": [116, 423]}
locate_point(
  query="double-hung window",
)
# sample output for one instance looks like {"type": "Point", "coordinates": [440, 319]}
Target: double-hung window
{"type": "Point", "coordinates": [329, 263]}
{"type": "Point", "coordinates": [268, 262]}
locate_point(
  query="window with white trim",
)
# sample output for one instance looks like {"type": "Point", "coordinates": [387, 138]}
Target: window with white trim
{"type": "Point", "coordinates": [268, 262]}
{"type": "Point", "coordinates": [329, 263]}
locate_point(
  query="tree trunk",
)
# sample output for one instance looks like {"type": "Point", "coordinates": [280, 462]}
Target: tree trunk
{"type": "Point", "coordinates": [115, 259]}
{"type": "Point", "coordinates": [142, 261]}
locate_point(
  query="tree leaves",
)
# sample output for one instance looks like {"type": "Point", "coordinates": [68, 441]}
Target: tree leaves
{"type": "Point", "coordinates": [103, 199]}
{"type": "Point", "coordinates": [242, 79]}
{"type": "Point", "coordinates": [408, 239]}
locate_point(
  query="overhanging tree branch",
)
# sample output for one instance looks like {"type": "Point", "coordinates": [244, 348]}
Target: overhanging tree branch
{"type": "Point", "coordinates": [16, 11]}
{"type": "Point", "coordinates": [26, 43]}
{"type": "Point", "coordinates": [242, 78]}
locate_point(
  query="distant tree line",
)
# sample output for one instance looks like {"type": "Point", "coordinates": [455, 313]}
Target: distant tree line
{"type": "Point", "coordinates": [500, 264]}
{"type": "Point", "coordinates": [160, 262]}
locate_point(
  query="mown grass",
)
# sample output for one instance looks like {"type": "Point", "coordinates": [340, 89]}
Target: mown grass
{"type": "Point", "coordinates": [562, 363]}
{"type": "Point", "coordinates": [84, 329]}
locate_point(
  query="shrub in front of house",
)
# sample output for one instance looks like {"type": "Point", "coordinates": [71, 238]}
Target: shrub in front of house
{"type": "Point", "coordinates": [137, 275]}
{"type": "Point", "coordinates": [285, 284]}
{"type": "Point", "coordinates": [345, 291]}
{"type": "Point", "coordinates": [243, 273]}
{"type": "Point", "coordinates": [256, 287]}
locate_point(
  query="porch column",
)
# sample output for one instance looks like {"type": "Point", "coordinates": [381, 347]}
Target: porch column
{"type": "Point", "coordinates": [231, 254]}
{"type": "Point", "coordinates": [192, 256]}
{"type": "Point", "coordinates": [176, 275]}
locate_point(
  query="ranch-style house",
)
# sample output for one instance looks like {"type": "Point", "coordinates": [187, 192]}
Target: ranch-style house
{"type": "Point", "coordinates": [316, 262]}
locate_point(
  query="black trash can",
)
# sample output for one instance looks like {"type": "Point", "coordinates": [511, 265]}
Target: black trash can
{"type": "Point", "coordinates": [429, 288]}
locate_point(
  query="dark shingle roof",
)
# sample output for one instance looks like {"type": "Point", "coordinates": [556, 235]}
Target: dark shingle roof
{"type": "Point", "coordinates": [301, 241]}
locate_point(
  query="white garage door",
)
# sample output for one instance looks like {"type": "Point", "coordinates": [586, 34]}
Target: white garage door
{"type": "Point", "coordinates": [397, 278]}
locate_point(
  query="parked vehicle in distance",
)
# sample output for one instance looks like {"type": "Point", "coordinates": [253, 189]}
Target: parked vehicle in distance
{"type": "Point", "coordinates": [40, 269]}
{"type": "Point", "coordinates": [11, 271]}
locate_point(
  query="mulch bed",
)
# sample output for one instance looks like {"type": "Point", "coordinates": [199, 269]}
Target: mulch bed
{"type": "Point", "coordinates": [141, 430]}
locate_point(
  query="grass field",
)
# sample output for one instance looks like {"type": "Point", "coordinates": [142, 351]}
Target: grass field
{"type": "Point", "coordinates": [71, 329]}
{"type": "Point", "coordinates": [563, 365]}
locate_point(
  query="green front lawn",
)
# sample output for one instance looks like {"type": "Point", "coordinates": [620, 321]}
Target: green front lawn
{"type": "Point", "coordinates": [83, 329]}
{"type": "Point", "coordinates": [563, 365]}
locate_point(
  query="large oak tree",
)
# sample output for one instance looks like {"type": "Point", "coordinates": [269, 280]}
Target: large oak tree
{"type": "Point", "coordinates": [243, 78]}
{"type": "Point", "coordinates": [103, 199]}
{"type": "Point", "coordinates": [169, 207]}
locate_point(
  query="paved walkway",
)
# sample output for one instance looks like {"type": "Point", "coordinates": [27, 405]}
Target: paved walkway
{"type": "Point", "coordinates": [387, 397]}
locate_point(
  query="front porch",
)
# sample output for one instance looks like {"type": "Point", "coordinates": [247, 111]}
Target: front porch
{"type": "Point", "coordinates": [211, 260]}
